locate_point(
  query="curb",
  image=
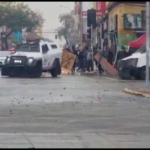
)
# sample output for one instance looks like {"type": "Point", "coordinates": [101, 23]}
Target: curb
{"type": "Point", "coordinates": [136, 93]}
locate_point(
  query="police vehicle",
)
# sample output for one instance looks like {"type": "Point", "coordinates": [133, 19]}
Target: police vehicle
{"type": "Point", "coordinates": [32, 58]}
{"type": "Point", "coordinates": [134, 65]}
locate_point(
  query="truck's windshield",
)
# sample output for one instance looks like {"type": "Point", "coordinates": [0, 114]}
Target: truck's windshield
{"type": "Point", "coordinates": [141, 49]}
{"type": "Point", "coordinates": [29, 47]}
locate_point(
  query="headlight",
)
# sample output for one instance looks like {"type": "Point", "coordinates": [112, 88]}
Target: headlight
{"type": "Point", "coordinates": [128, 63]}
{"type": "Point", "coordinates": [30, 61]}
{"type": "Point", "coordinates": [132, 62]}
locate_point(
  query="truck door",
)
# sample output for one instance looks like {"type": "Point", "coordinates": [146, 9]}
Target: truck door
{"type": "Point", "coordinates": [45, 60]}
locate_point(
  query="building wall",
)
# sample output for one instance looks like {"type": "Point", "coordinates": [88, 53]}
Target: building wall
{"type": "Point", "coordinates": [124, 36]}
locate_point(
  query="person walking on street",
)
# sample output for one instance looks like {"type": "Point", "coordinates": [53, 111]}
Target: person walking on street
{"type": "Point", "coordinates": [85, 60]}
{"type": "Point", "coordinates": [110, 55]}
{"type": "Point", "coordinates": [81, 59]}
{"type": "Point", "coordinates": [74, 51]}
{"type": "Point", "coordinates": [89, 61]}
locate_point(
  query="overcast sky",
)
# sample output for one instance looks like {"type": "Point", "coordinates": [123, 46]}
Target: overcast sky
{"type": "Point", "coordinates": [51, 12]}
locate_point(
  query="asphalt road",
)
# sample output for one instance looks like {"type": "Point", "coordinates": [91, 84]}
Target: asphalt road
{"type": "Point", "coordinates": [87, 108]}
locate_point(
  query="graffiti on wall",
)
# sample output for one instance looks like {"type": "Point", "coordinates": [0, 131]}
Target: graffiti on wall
{"type": "Point", "coordinates": [18, 36]}
{"type": "Point", "coordinates": [125, 39]}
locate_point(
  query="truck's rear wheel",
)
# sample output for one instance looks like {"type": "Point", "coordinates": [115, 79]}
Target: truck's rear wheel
{"type": "Point", "coordinates": [59, 67]}
{"type": "Point", "coordinates": [54, 72]}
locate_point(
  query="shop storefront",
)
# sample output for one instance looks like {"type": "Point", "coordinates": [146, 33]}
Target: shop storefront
{"type": "Point", "coordinates": [102, 31]}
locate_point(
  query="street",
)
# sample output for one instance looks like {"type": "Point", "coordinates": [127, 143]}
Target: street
{"type": "Point", "coordinates": [72, 111]}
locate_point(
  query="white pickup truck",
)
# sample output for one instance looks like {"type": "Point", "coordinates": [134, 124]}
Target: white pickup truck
{"type": "Point", "coordinates": [32, 58]}
{"type": "Point", "coordinates": [3, 55]}
{"type": "Point", "coordinates": [134, 65]}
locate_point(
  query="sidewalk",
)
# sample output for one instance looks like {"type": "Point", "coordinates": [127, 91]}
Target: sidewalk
{"type": "Point", "coordinates": [73, 140]}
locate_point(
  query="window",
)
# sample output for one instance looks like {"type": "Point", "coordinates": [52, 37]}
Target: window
{"type": "Point", "coordinates": [53, 46]}
{"type": "Point", "coordinates": [45, 48]}
{"type": "Point", "coordinates": [141, 49]}
{"type": "Point", "coordinates": [28, 47]}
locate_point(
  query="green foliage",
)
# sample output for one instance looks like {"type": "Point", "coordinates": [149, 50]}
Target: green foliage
{"type": "Point", "coordinates": [18, 16]}
{"type": "Point", "coordinates": [67, 22]}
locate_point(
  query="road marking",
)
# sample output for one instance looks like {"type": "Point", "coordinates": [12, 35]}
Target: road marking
{"type": "Point", "coordinates": [136, 93]}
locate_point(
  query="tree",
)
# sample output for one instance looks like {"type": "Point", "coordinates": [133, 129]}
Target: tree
{"type": "Point", "coordinates": [67, 23]}
{"type": "Point", "coordinates": [18, 16]}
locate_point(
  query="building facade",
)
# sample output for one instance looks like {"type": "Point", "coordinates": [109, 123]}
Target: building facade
{"type": "Point", "coordinates": [120, 24]}
{"type": "Point", "coordinates": [124, 20]}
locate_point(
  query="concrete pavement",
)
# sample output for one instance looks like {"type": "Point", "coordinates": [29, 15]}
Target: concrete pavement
{"type": "Point", "coordinates": [73, 140]}
{"type": "Point", "coordinates": [71, 111]}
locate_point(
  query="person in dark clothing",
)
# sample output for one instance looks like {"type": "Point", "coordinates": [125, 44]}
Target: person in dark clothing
{"type": "Point", "coordinates": [95, 51]}
{"type": "Point", "coordinates": [110, 55]}
{"type": "Point", "coordinates": [85, 50]}
{"type": "Point", "coordinates": [89, 61]}
{"type": "Point", "coordinates": [81, 59]}
{"type": "Point", "coordinates": [68, 49]}
{"type": "Point", "coordinates": [74, 51]}
{"type": "Point", "coordinates": [77, 53]}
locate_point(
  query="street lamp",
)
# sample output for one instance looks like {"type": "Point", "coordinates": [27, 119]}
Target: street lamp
{"type": "Point", "coordinates": [65, 7]}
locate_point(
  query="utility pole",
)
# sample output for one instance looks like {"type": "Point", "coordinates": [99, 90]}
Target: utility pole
{"type": "Point", "coordinates": [147, 42]}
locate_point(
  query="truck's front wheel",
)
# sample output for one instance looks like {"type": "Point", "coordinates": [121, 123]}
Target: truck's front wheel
{"type": "Point", "coordinates": [38, 70]}
{"type": "Point", "coordinates": [125, 74]}
{"type": "Point", "coordinates": [142, 73]}
{"type": "Point", "coordinates": [57, 69]}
